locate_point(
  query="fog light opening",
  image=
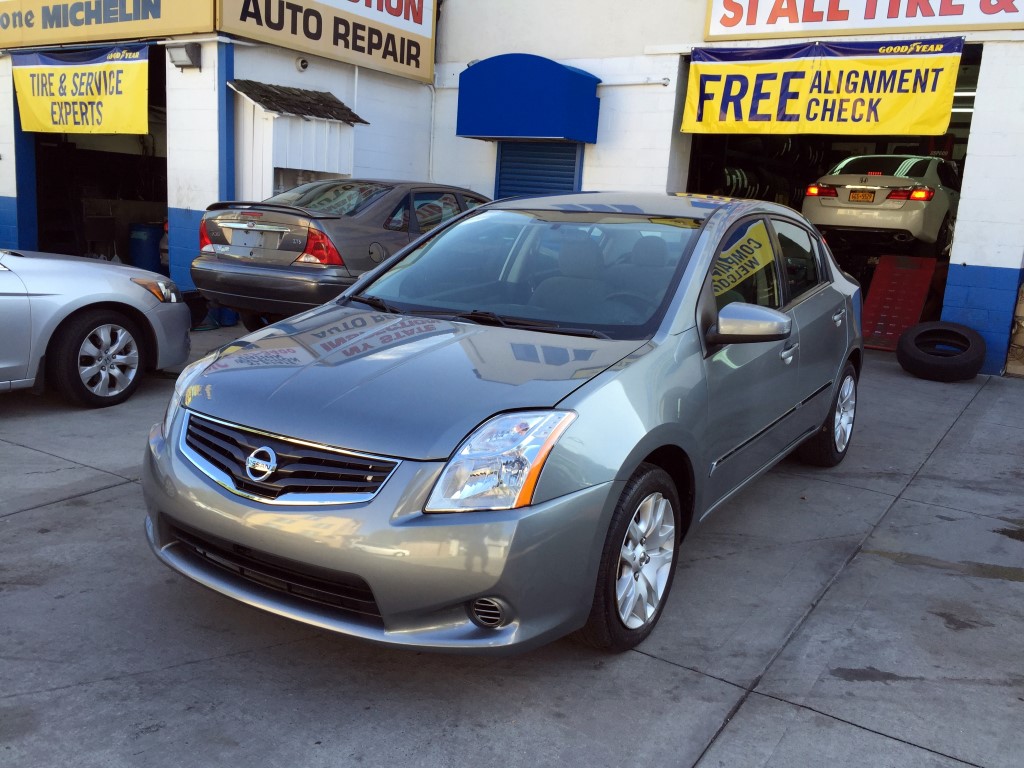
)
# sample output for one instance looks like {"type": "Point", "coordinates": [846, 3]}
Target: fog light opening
{"type": "Point", "coordinates": [489, 612]}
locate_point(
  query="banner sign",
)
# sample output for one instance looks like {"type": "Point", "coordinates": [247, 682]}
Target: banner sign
{"type": "Point", "coordinates": [45, 22]}
{"type": "Point", "coordinates": [394, 36]}
{"type": "Point", "coordinates": [880, 88]}
{"type": "Point", "coordinates": [761, 19]}
{"type": "Point", "coordinates": [94, 91]}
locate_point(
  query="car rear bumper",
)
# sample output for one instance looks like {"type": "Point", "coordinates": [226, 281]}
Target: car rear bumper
{"type": "Point", "coordinates": [890, 225]}
{"type": "Point", "coordinates": [275, 290]}
{"type": "Point", "coordinates": [422, 571]}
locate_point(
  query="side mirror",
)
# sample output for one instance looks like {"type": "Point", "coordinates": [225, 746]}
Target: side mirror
{"type": "Point", "coordinates": [742, 323]}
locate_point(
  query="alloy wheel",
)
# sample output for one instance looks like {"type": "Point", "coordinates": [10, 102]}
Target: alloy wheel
{"type": "Point", "coordinates": [108, 360]}
{"type": "Point", "coordinates": [645, 561]}
{"type": "Point", "coordinates": [846, 410]}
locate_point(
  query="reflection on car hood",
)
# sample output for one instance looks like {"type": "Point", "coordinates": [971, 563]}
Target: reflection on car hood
{"type": "Point", "coordinates": [404, 386]}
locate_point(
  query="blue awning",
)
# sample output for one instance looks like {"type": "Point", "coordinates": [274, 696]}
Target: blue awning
{"type": "Point", "coordinates": [521, 96]}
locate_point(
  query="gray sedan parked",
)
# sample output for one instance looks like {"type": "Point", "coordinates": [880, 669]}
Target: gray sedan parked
{"type": "Point", "coordinates": [502, 435]}
{"type": "Point", "coordinates": [298, 249]}
{"type": "Point", "coordinates": [87, 327]}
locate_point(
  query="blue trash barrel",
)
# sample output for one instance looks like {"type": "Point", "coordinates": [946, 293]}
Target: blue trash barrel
{"type": "Point", "coordinates": [144, 248]}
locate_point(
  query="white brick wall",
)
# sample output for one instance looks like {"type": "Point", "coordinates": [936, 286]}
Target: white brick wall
{"type": "Point", "coordinates": [635, 135]}
{"type": "Point", "coordinates": [192, 136]}
{"type": "Point", "coordinates": [8, 180]}
{"type": "Point", "coordinates": [990, 225]}
{"type": "Point", "coordinates": [396, 143]}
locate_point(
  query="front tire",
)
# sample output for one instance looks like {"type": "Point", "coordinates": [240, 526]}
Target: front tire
{"type": "Point", "coordinates": [96, 358]}
{"type": "Point", "coordinates": [830, 443]}
{"type": "Point", "coordinates": [637, 564]}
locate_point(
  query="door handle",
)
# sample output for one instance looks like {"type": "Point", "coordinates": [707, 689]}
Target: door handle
{"type": "Point", "coordinates": [837, 318]}
{"type": "Point", "coordinates": [788, 353]}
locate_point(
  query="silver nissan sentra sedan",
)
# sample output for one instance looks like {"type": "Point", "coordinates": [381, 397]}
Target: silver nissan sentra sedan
{"type": "Point", "coordinates": [502, 434]}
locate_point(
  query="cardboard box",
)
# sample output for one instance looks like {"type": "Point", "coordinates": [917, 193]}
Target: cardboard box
{"type": "Point", "coordinates": [1015, 356]}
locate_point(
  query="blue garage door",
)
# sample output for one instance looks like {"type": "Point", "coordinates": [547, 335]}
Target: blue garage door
{"type": "Point", "coordinates": [538, 168]}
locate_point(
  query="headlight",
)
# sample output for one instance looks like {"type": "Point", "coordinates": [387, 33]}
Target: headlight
{"type": "Point", "coordinates": [498, 465]}
{"type": "Point", "coordinates": [183, 388]}
{"type": "Point", "coordinates": [164, 290]}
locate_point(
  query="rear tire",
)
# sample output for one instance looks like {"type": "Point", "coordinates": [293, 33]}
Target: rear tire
{"type": "Point", "coordinates": [638, 562]}
{"type": "Point", "coordinates": [254, 321]}
{"type": "Point", "coordinates": [830, 443]}
{"type": "Point", "coordinates": [96, 358]}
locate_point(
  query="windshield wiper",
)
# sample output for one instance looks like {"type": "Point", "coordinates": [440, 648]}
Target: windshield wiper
{"type": "Point", "coordinates": [549, 328]}
{"type": "Point", "coordinates": [486, 317]}
{"type": "Point", "coordinates": [373, 301]}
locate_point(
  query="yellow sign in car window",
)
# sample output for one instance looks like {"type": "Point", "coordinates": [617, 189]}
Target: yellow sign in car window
{"type": "Point", "coordinates": [95, 91]}
{"type": "Point", "coordinates": [744, 267]}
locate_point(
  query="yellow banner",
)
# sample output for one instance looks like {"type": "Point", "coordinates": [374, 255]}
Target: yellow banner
{"type": "Point", "coordinates": [44, 22]}
{"type": "Point", "coordinates": [750, 252]}
{"type": "Point", "coordinates": [882, 88]}
{"type": "Point", "coordinates": [394, 36]}
{"type": "Point", "coordinates": [94, 91]}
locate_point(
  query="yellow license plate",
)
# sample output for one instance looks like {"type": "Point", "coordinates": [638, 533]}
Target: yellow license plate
{"type": "Point", "coordinates": [858, 196]}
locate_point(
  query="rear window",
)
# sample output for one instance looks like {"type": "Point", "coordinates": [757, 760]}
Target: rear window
{"type": "Point", "coordinates": [345, 198]}
{"type": "Point", "coordinates": [884, 165]}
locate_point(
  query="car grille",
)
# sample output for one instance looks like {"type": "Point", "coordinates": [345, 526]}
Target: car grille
{"type": "Point", "coordinates": [306, 473]}
{"type": "Point", "coordinates": [342, 591]}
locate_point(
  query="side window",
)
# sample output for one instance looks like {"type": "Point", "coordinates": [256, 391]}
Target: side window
{"type": "Point", "coordinates": [744, 269]}
{"type": "Point", "coordinates": [948, 176]}
{"type": "Point", "coordinates": [471, 201]}
{"type": "Point", "coordinates": [399, 220]}
{"type": "Point", "coordinates": [434, 207]}
{"type": "Point", "coordinates": [798, 259]}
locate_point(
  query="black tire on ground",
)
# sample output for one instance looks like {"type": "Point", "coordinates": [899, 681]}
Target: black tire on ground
{"type": "Point", "coordinates": [198, 306]}
{"type": "Point", "coordinates": [642, 502]}
{"type": "Point", "coordinates": [102, 339]}
{"type": "Point", "coordinates": [941, 351]}
{"type": "Point", "coordinates": [253, 321]}
{"type": "Point", "coordinates": [828, 446]}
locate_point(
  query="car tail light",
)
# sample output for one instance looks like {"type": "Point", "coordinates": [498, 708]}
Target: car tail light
{"type": "Point", "coordinates": [320, 250]}
{"type": "Point", "coordinates": [924, 194]}
{"type": "Point", "coordinates": [821, 190]}
{"type": "Point", "coordinates": [204, 237]}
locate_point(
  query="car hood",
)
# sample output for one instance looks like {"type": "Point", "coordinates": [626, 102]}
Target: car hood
{"type": "Point", "coordinates": [32, 262]}
{"type": "Point", "coordinates": [393, 385]}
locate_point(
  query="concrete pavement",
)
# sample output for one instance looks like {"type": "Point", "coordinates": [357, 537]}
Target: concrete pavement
{"type": "Point", "coordinates": [869, 615]}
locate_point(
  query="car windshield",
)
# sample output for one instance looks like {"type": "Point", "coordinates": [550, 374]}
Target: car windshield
{"type": "Point", "coordinates": [343, 198]}
{"type": "Point", "coordinates": [884, 165]}
{"type": "Point", "coordinates": [601, 274]}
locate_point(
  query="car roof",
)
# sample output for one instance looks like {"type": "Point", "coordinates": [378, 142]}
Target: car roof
{"type": "Point", "coordinates": [646, 203]}
{"type": "Point", "coordinates": [389, 183]}
{"type": "Point", "coordinates": [903, 157]}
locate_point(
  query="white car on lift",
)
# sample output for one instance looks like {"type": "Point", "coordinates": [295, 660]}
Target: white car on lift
{"type": "Point", "coordinates": [887, 201]}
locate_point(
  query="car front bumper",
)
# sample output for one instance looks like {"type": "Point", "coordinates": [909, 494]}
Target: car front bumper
{"type": "Point", "coordinates": [275, 290]}
{"type": "Point", "coordinates": [171, 323]}
{"type": "Point", "coordinates": [424, 571]}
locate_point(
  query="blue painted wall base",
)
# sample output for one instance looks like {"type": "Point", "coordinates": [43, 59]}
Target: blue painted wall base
{"type": "Point", "coordinates": [9, 222]}
{"type": "Point", "coordinates": [182, 244]}
{"type": "Point", "coordinates": [984, 298]}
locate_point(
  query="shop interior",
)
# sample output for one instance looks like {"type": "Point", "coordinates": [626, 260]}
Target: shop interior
{"type": "Point", "coordinates": [779, 168]}
{"type": "Point", "coordinates": [105, 195]}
